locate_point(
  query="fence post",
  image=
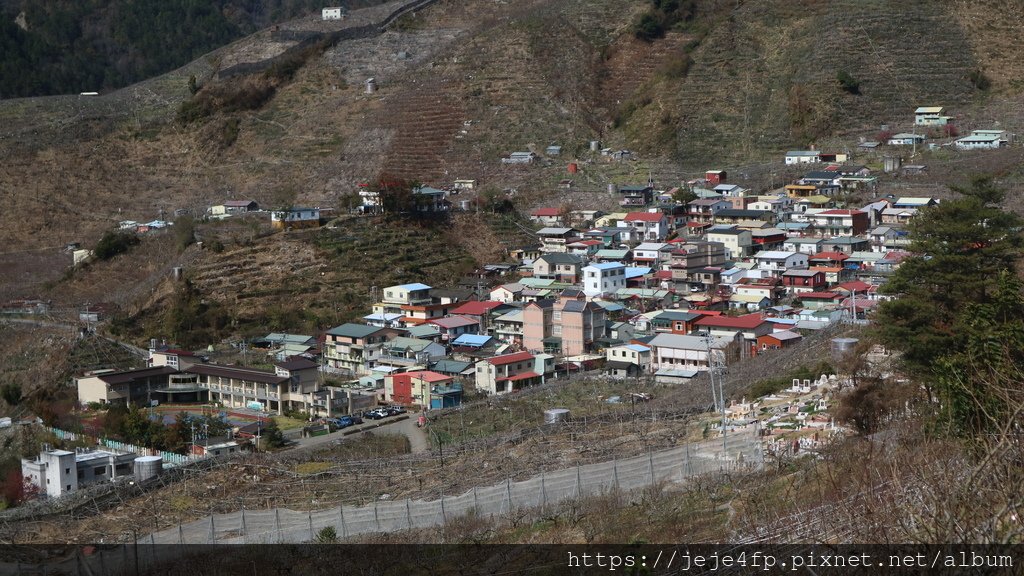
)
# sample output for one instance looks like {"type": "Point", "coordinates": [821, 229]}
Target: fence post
{"type": "Point", "coordinates": [543, 494]}
{"type": "Point", "coordinates": [277, 523]}
{"type": "Point", "coordinates": [341, 517]}
{"type": "Point", "coordinates": [615, 472]}
{"type": "Point", "coordinates": [579, 482]}
{"type": "Point", "coordinates": [245, 533]}
{"type": "Point", "coordinates": [211, 539]}
{"type": "Point", "coordinates": [376, 516]}
{"type": "Point", "coordinates": [476, 502]}
{"type": "Point", "coordinates": [689, 468]}
{"type": "Point", "coordinates": [508, 493]}
{"type": "Point", "coordinates": [408, 512]}
{"type": "Point", "coordinates": [311, 535]}
{"type": "Point", "coordinates": [181, 535]}
{"type": "Point", "coordinates": [650, 460]}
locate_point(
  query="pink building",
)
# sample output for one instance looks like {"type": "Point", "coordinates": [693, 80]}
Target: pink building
{"type": "Point", "coordinates": [569, 325]}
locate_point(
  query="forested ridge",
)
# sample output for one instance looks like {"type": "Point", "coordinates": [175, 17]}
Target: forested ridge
{"type": "Point", "coordinates": [58, 47]}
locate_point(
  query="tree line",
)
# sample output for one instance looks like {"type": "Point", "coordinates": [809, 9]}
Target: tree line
{"type": "Point", "coordinates": [56, 47]}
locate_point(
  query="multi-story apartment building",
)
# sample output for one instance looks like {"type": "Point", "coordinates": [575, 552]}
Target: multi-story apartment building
{"type": "Point", "coordinates": [354, 348]}
{"type": "Point", "coordinates": [569, 325]}
{"type": "Point", "coordinates": [841, 222]}
{"type": "Point", "coordinates": [691, 260]}
{"type": "Point", "coordinates": [603, 278]}
{"type": "Point", "coordinates": [738, 241]}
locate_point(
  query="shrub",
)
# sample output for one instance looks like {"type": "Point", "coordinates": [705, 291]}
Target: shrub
{"type": "Point", "coordinates": [327, 535]}
{"type": "Point", "coordinates": [184, 232]}
{"type": "Point", "coordinates": [226, 97]}
{"type": "Point", "coordinates": [113, 243]}
{"type": "Point", "coordinates": [11, 394]}
{"type": "Point", "coordinates": [979, 79]}
{"type": "Point", "coordinates": [229, 132]}
{"type": "Point", "coordinates": [848, 83]}
{"type": "Point", "coordinates": [678, 67]}
{"type": "Point", "coordinates": [649, 27]}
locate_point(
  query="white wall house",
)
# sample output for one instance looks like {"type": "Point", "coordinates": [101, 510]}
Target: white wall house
{"type": "Point", "coordinates": [982, 140]}
{"type": "Point", "coordinates": [604, 278]}
{"type": "Point", "coordinates": [331, 13]}
{"type": "Point", "coordinates": [675, 352]}
{"type": "Point", "coordinates": [930, 116]}
{"type": "Point", "coordinates": [777, 261]}
{"type": "Point", "coordinates": [803, 157]}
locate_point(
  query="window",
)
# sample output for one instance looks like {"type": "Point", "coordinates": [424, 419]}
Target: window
{"type": "Point", "coordinates": [69, 487]}
{"type": "Point", "coordinates": [590, 275]}
{"type": "Point", "coordinates": [99, 471]}
{"type": "Point", "coordinates": [67, 470]}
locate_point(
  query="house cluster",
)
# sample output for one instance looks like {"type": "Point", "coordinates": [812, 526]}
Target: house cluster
{"type": "Point", "coordinates": [293, 217]}
{"type": "Point", "coordinates": [661, 289]}
{"type": "Point", "coordinates": [749, 272]}
{"type": "Point", "coordinates": [932, 123]}
{"type": "Point", "coordinates": [143, 227]}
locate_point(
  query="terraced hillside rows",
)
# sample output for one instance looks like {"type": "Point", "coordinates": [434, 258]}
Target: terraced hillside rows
{"type": "Point", "coordinates": [631, 63]}
{"type": "Point", "coordinates": [765, 79]}
{"type": "Point", "coordinates": [425, 121]}
{"type": "Point", "coordinates": [994, 27]}
{"type": "Point", "coordinates": [329, 271]}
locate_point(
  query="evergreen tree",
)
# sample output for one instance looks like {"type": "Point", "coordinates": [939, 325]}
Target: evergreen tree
{"type": "Point", "coordinates": [961, 246]}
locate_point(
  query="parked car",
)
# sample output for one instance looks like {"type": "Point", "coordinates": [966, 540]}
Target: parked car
{"type": "Point", "coordinates": [344, 421]}
{"type": "Point", "coordinates": [356, 419]}
{"type": "Point", "coordinates": [376, 414]}
{"type": "Point", "coordinates": [395, 410]}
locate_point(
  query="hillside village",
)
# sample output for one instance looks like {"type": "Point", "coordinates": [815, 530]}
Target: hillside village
{"type": "Point", "coordinates": [456, 294]}
{"type": "Point", "coordinates": [679, 282]}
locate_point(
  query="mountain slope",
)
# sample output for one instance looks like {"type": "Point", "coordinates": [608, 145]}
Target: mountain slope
{"type": "Point", "coordinates": [464, 81]}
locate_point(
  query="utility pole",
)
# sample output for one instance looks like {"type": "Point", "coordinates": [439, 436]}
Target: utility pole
{"type": "Point", "coordinates": [720, 395]}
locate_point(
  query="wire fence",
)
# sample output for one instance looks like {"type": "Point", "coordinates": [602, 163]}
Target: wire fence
{"type": "Point", "coordinates": [740, 451]}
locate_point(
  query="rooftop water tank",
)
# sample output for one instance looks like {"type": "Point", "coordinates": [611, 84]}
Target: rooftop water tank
{"type": "Point", "coordinates": [843, 347]}
{"type": "Point", "coordinates": [556, 415]}
{"type": "Point", "coordinates": [147, 467]}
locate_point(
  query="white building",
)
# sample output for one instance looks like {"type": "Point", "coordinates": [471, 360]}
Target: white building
{"type": "Point", "coordinates": [983, 140]}
{"type": "Point", "coordinates": [331, 14]}
{"type": "Point", "coordinates": [930, 116]}
{"type": "Point", "coordinates": [628, 360]}
{"type": "Point", "coordinates": [778, 261]}
{"type": "Point", "coordinates": [59, 472]}
{"type": "Point", "coordinates": [905, 139]}
{"type": "Point", "coordinates": [604, 278]}
{"type": "Point", "coordinates": [678, 352]}
{"type": "Point", "coordinates": [295, 218]}
{"type": "Point", "coordinates": [803, 157]}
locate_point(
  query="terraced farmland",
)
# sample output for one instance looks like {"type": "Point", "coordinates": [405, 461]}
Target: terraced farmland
{"type": "Point", "coordinates": [328, 273]}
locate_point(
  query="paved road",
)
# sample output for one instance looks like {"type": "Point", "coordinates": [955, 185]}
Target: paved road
{"type": "Point", "coordinates": [417, 438]}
